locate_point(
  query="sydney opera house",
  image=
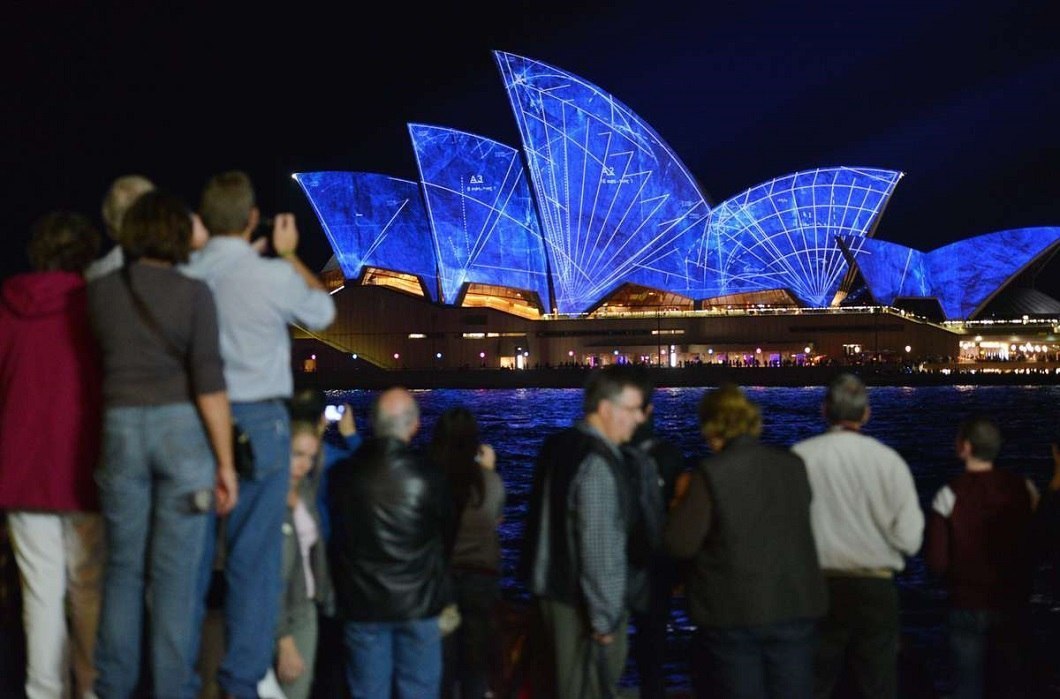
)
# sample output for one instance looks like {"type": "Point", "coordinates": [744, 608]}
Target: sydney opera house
{"type": "Point", "coordinates": [591, 242]}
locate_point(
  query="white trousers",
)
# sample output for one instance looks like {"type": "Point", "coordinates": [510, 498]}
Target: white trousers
{"type": "Point", "coordinates": [60, 563]}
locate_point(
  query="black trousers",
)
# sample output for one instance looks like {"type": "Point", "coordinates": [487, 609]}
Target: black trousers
{"type": "Point", "coordinates": [649, 638]}
{"type": "Point", "coordinates": [860, 635]}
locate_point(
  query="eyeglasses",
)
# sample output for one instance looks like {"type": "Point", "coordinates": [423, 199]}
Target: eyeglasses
{"type": "Point", "coordinates": [635, 408]}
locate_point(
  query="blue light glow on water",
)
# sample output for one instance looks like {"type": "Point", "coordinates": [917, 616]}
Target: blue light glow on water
{"type": "Point", "coordinates": [919, 422]}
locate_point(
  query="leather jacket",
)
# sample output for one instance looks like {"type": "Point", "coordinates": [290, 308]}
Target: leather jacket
{"type": "Point", "coordinates": [389, 510]}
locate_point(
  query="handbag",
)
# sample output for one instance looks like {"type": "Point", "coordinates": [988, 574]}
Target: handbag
{"type": "Point", "coordinates": [242, 449]}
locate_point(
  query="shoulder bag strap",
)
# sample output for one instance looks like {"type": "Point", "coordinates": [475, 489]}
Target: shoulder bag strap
{"type": "Point", "coordinates": [147, 317]}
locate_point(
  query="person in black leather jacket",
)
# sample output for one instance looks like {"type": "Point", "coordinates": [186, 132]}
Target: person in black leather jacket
{"type": "Point", "coordinates": [390, 511]}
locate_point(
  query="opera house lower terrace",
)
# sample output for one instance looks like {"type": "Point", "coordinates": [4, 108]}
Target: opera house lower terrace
{"type": "Point", "coordinates": [592, 243]}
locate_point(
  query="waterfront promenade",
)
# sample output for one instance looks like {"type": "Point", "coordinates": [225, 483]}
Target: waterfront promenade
{"type": "Point", "coordinates": [695, 375]}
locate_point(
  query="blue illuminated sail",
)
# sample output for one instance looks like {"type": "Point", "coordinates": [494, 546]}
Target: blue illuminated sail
{"type": "Point", "coordinates": [479, 206]}
{"type": "Point", "coordinates": [781, 234]}
{"type": "Point", "coordinates": [963, 276]}
{"type": "Point", "coordinates": [891, 270]}
{"type": "Point", "coordinates": [373, 220]}
{"type": "Point", "coordinates": [616, 203]}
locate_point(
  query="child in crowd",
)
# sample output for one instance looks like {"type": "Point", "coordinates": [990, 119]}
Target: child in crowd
{"type": "Point", "coordinates": [306, 583]}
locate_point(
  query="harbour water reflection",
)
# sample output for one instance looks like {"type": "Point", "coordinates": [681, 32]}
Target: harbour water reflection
{"type": "Point", "coordinates": [919, 422]}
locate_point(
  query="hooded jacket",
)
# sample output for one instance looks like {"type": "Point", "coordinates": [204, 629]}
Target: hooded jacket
{"type": "Point", "coordinates": [49, 394]}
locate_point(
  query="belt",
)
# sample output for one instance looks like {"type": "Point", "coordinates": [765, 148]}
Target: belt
{"type": "Point", "coordinates": [882, 573]}
{"type": "Point", "coordinates": [261, 401]}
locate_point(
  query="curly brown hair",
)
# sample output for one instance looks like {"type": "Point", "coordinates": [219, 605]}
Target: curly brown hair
{"type": "Point", "coordinates": [62, 240]}
{"type": "Point", "coordinates": [727, 413]}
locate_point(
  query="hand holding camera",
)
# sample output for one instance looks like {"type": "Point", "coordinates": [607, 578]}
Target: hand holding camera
{"type": "Point", "coordinates": [284, 235]}
{"type": "Point", "coordinates": [343, 416]}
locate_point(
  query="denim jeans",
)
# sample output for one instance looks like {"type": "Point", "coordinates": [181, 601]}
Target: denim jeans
{"type": "Point", "coordinates": [405, 656]}
{"type": "Point", "coordinates": [253, 538]}
{"type": "Point", "coordinates": [154, 460]}
{"type": "Point", "coordinates": [986, 649]}
{"type": "Point", "coordinates": [755, 662]}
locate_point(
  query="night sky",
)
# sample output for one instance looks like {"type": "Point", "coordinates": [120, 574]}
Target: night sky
{"type": "Point", "coordinates": [964, 97]}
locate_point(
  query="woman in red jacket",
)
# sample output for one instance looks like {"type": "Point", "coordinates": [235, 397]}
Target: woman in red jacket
{"type": "Point", "coordinates": [49, 444]}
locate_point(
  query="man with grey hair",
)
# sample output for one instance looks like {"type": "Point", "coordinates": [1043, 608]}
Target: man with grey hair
{"type": "Point", "coordinates": [866, 518]}
{"type": "Point", "coordinates": [389, 515]}
{"type": "Point", "coordinates": [580, 517]}
{"type": "Point", "coordinates": [121, 194]}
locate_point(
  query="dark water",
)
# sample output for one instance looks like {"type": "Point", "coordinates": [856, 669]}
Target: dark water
{"type": "Point", "coordinates": [919, 422]}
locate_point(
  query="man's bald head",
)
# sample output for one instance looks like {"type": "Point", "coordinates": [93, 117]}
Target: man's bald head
{"type": "Point", "coordinates": [396, 415]}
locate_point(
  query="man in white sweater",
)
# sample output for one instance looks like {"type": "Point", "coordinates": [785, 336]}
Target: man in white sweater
{"type": "Point", "coordinates": [866, 519]}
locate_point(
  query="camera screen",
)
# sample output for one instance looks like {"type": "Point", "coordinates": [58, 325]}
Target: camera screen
{"type": "Point", "coordinates": [333, 412]}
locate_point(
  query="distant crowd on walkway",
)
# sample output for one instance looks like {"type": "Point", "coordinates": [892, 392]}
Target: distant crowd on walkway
{"type": "Point", "coordinates": [186, 524]}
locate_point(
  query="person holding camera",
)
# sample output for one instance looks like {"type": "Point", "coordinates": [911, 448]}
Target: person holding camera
{"type": "Point", "coordinates": [257, 299]}
{"type": "Point", "coordinates": [472, 653]}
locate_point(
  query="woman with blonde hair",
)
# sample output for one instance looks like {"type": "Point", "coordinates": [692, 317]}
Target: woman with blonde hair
{"type": "Point", "coordinates": [755, 589]}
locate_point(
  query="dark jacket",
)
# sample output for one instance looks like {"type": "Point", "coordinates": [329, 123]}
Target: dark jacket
{"type": "Point", "coordinates": [746, 521]}
{"type": "Point", "coordinates": [388, 514]}
{"type": "Point", "coordinates": [549, 560]}
{"type": "Point", "coordinates": [977, 538]}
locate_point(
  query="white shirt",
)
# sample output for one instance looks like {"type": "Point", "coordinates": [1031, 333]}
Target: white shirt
{"type": "Point", "coordinates": [105, 265]}
{"type": "Point", "coordinates": [865, 511]}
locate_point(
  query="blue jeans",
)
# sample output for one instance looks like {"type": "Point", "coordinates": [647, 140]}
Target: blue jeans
{"type": "Point", "coordinates": [253, 538]}
{"type": "Point", "coordinates": [986, 647]}
{"type": "Point", "coordinates": [405, 656]}
{"type": "Point", "coordinates": [154, 460]}
{"type": "Point", "coordinates": [775, 660]}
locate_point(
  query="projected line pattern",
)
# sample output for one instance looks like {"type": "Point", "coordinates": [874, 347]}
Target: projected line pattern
{"type": "Point", "coordinates": [373, 220]}
{"type": "Point", "coordinates": [616, 203]}
{"type": "Point", "coordinates": [963, 276]}
{"type": "Point", "coordinates": [480, 210]}
{"type": "Point", "coordinates": [781, 234]}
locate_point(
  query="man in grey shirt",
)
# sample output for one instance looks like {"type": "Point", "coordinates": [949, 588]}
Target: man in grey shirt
{"type": "Point", "coordinates": [866, 519]}
{"type": "Point", "coordinates": [578, 526]}
{"type": "Point", "coordinates": [257, 300]}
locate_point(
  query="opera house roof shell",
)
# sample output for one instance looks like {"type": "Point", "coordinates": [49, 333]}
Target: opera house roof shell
{"type": "Point", "coordinates": [594, 199]}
